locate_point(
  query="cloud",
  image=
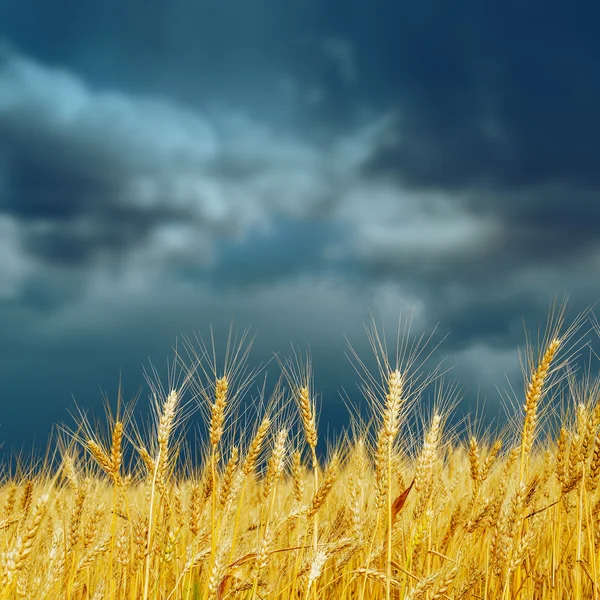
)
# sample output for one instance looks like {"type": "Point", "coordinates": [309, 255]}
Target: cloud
{"type": "Point", "coordinates": [127, 217]}
{"type": "Point", "coordinates": [488, 373]}
{"type": "Point", "coordinates": [131, 190]}
{"type": "Point", "coordinates": [15, 265]}
{"type": "Point", "coordinates": [486, 98]}
{"type": "Point", "coordinates": [423, 233]}
{"type": "Point", "coordinates": [96, 178]}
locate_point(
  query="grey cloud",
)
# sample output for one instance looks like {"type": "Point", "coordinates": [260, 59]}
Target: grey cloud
{"type": "Point", "coordinates": [160, 179]}
{"type": "Point", "coordinates": [101, 180]}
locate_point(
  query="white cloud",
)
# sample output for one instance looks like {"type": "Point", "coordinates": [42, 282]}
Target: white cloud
{"type": "Point", "coordinates": [15, 265]}
{"type": "Point", "coordinates": [425, 239]}
{"type": "Point", "coordinates": [421, 230]}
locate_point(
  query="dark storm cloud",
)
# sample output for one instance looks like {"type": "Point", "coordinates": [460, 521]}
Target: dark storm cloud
{"type": "Point", "coordinates": [498, 106]}
{"type": "Point", "coordinates": [500, 96]}
{"type": "Point", "coordinates": [169, 164]}
{"type": "Point", "coordinates": [497, 92]}
{"type": "Point", "coordinates": [503, 94]}
{"type": "Point", "coordinates": [98, 183]}
{"type": "Point", "coordinates": [286, 252]}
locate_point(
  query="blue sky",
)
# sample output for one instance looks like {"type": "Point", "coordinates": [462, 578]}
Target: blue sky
{"type": "Point", "coordinates": [297, 166]}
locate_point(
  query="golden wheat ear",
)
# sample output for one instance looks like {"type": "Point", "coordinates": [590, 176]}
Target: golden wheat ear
{"type": "Point", "coordinates": [535, 389]}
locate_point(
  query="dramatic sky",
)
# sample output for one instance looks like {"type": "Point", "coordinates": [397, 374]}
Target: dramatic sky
{"type": "Point", "coordinates": [295, 165]}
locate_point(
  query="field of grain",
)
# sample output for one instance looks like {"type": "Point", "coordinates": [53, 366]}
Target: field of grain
{"type": "Point", "coordinates": [267, 508]}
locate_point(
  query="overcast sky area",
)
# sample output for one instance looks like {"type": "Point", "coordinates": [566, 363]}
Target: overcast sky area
{"type": "Point", "coordinates": [165, 166]}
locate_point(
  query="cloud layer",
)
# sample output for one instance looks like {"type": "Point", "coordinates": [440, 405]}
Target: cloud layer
{"type": "Point", "coordinates": [295, 168]}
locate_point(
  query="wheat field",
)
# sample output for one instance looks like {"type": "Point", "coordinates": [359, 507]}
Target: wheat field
{"type": "Point", "coordinates": [405, 504]}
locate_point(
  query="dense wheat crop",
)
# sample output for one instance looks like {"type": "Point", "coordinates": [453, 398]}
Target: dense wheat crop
{"type": "Point", "coordinates": [398, 507]}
